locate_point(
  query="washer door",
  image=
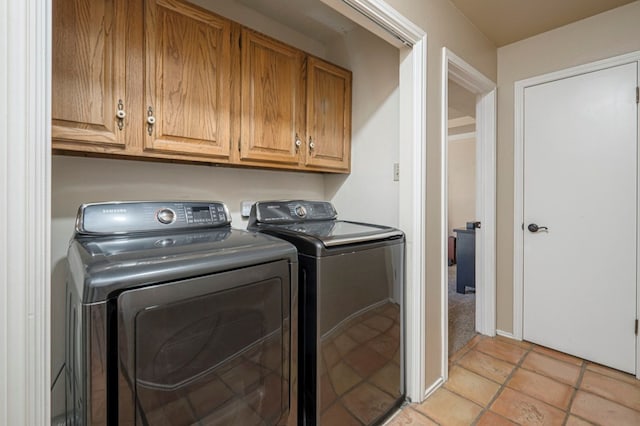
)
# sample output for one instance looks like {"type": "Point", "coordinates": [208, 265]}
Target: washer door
{"type": "Point", "coordinates": [213, 349]}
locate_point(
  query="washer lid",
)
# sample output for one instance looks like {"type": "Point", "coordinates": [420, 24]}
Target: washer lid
{"type": "Point", "coordinates": [339, 232]}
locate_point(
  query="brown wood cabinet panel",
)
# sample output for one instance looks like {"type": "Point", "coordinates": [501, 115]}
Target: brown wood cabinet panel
{"type": "Point", "coordinates": [88, 66]}
{"type": "Point", "coordinates": [328, 116]}
{"type": "Point", "coordinates": [187, 87]}
{"type": "Point", "coordinates": [272, 100]}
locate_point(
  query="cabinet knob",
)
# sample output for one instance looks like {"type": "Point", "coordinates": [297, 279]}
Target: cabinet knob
{"type": "Point", "coordinates": [151, 120]}
{"type": "Point", "coordinates": [312, 144]}
{"type": "Point", "coordinates": [297, 142]}
{"type": "Point", "coordinates": [120, 114]}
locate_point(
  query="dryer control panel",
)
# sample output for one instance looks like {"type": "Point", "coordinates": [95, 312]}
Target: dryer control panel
{"type": "Point", "coordinates": [114, 218]}
{"type": "Point", "coordinates": [292, 211]}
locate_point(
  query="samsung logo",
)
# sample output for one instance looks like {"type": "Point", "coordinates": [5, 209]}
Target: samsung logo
{"type": "Point", "coordinates": [113, 211]}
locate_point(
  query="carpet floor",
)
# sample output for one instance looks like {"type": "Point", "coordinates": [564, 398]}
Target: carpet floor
{"type": "Point", "coordinates": [462, 314]}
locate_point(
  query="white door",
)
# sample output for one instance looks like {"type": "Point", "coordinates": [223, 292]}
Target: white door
{"type": "Point", "coordinates": [580, 182]}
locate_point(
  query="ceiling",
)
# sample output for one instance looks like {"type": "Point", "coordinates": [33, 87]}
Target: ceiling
{"type": "Point", "coordinates": [508, 21]}
{"type": "Point", "coordinates": [501, 21]}
{"type": "Point", "coordinates": [309, 17]}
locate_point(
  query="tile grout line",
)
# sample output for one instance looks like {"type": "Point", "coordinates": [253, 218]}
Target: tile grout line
{"type": "Point", "coordinates": [486, 409]}
{"type": "Point", "coordinates": [606, 398]}
{"type": "Point", "coordinates": [583, 368]}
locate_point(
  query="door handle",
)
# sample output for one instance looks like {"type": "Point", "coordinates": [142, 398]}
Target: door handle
{"type": "Point", "coordinates": [535, 228]}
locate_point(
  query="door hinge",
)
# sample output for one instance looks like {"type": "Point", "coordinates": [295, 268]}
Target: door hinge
{"type": "Point", "coordinates": [637, 95]}
{"type": "Point", "coordinates": [636, 327]}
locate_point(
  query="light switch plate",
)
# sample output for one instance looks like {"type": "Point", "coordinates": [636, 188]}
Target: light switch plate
{"type": "Point", "coordinates": [245, 208]}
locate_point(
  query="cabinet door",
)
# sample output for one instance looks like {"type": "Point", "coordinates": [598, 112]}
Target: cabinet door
{"type": "Point", "coordinates": [272, 106]}
{"type": "Point", "coordinates": [88, 70]}
{"type": "Point", "coordinates": [187, 80]}
{"type": "Point", "coordinates": [328, 116]}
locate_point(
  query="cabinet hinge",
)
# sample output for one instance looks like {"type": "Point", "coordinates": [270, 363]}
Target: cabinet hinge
{"type": "Point", "coordinates": [636, 327]}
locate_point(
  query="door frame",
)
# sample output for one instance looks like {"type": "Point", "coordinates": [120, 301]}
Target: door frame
{"type": "Point", "coordinates": [456, 69]}
{"type": "Point", "coordinates": [518, 206]}
{"type": "Point", "coordinates": [25, 185]}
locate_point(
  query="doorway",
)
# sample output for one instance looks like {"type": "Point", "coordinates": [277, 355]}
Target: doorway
{"type": "Point", "coordinates": [461, 215]}
{"type": "Point", "coordinates": [483, 93]}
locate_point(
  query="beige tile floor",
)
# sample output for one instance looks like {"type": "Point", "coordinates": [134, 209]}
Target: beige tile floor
{"type": "Point", "coordinates": [498, 381]}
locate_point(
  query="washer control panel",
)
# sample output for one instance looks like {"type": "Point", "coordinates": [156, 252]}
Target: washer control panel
{"type": "Point", "coordinates": [293, 211]}
{"type": "Point", "coordinates": [150, 216]}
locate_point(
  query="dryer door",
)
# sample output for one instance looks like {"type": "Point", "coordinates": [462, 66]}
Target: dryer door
{"type": "Point", "coordinates": [208, 350]}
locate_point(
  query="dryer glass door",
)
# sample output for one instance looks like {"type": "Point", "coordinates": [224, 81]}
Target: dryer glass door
{"type": "Point", "coordinates": [209, 350]}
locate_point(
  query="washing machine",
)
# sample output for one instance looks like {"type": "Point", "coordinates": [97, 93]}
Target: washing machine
{"type": "Point", "coordinates": [174, 318]}
{"type": "Point", "coordinates": [351, 280]}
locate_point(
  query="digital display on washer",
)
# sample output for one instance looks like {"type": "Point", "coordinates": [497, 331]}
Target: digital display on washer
{"type": "Point", "coordinates": [201, 214]}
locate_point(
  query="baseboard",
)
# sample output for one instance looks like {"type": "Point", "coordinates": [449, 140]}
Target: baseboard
{"type": "Point", "coordinates": [507, 335]}
{"type": "Point", "coordinates": [434, 387]}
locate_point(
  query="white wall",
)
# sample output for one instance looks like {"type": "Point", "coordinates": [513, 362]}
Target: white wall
{"type": "Point", "coordinates": [462, 183]}
{"type": "Point", "coordinates": [447, 27]}
{"type": "Point", "coordinates": [602, 36]}
{"type": "Point", "coordinates": [369, 193]}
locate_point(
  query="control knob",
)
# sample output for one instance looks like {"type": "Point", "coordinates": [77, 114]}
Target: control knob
{"type": "Point", "coordinates": [166, 216]}
{"type": "Point", "coordinates": [300, 211]}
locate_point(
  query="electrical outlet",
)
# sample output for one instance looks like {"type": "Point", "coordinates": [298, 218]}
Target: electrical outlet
{"type": "Point", "coordinates": [396, 172]}
{"type": "Point", "coordinates": [245, 208]}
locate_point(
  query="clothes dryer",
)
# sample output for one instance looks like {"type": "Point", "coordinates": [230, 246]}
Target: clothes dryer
{"type": "Point", "coordinates": [351, 278]}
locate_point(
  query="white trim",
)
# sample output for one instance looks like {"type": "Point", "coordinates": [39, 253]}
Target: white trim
{"type": "Point", "coordinates": [637, 225]}
{"type": "Point", "coordinates": [25, 185]}
{"type": "Point", "coordinates": [486, 210]}
{"type": "Point", "coordinates": [461, 121]}
{"type": "Point", "coordinates": [456, 69]}
{"type": "Point", "coordinates": [412, 186]}
{"type": "Point", "coordinates": [444, 214]}
{"type": "Point", "coordinates": [388, 19]}
{"type": "Point", "coordinates": [434, 387]}
{"type": "Point", "coordinates": [638, 231]}
{"type": "Point", "coordinates": [518, 208]}
{"type": "Point", "coordinates": [461, 137]}
{"type": "Point", "coordinates": [507, 335]}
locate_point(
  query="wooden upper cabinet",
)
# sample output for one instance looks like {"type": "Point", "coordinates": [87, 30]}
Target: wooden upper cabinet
{"type": "Point", "coordinates": [166, 79]}
{"type": "Point", "coordinates": [88, 68]}
{"type": "Point", "coordinates": [272, 100]}
{"type": "Point", "coordinates": [328, 116]}
{"type": "Point", "coordinates": [187, 81]}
